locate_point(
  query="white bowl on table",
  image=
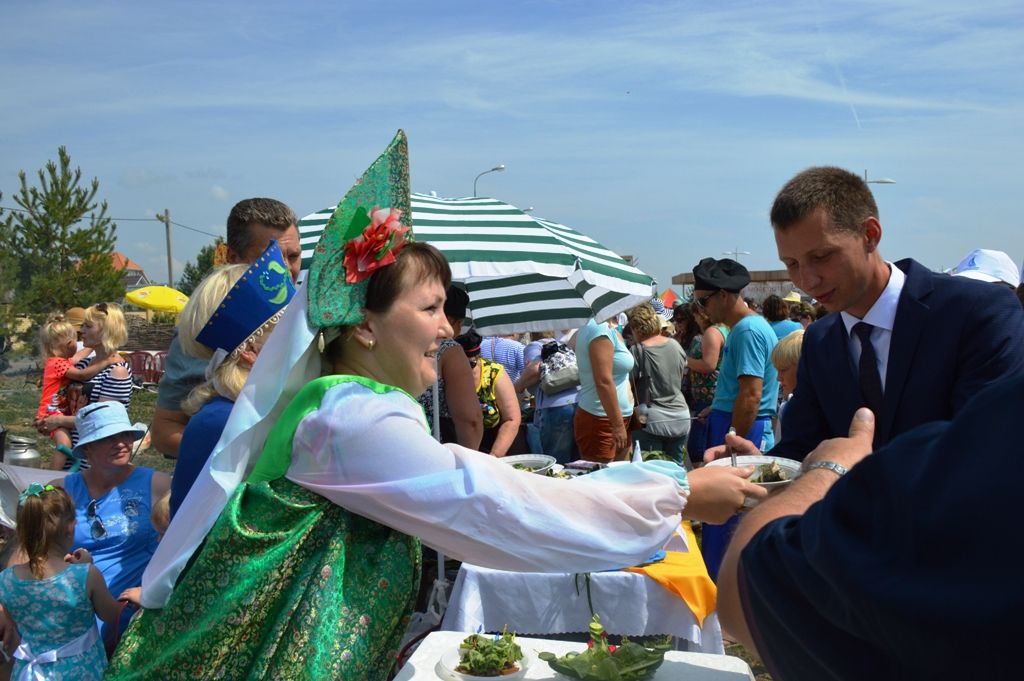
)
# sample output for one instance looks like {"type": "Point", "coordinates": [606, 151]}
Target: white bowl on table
{"type": "Point", "coordinates": [538, 463]}
{"type": "Point", "coordinates": [791, 467]}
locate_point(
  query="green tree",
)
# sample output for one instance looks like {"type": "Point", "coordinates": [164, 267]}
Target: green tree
{"type": "Point", "coordinates": [8, 271]}
{"type": "Point", "coordinates": [194, 273]}
{"type": "Point", "coordinates": [61, 262]}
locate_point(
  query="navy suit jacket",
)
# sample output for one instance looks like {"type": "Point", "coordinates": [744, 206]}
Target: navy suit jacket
{"type": "Point", "coordinates": [907, 565]}
{"type": "Point", "coordinates": [952, 337]}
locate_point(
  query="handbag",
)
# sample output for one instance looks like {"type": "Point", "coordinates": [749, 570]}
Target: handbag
{"type": "Point", "coordinates": [662, 422]}
{"type": "Point", "coordinates": [558, 369]}
{"type": "Point", "coordinates": [560, 380]}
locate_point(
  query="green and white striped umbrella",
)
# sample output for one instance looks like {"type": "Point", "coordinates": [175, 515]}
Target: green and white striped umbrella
{"type": "Point", "coordinates": [522, 273]}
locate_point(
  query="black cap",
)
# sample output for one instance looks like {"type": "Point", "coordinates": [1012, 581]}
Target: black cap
{"type": "Point", "coordinates": [456, 302]}
{"type": "Point", "coordinates": [725, 274]}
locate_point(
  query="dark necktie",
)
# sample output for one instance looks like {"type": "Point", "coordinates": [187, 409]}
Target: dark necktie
{"type": "Point", "coordinates": [870, 381]}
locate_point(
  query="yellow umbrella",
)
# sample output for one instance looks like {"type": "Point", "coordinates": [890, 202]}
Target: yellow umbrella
{"type": "Point", "coordinates": [158, 298]}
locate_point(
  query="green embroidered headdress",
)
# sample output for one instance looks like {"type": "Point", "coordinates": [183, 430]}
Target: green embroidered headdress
{"type": "Point", "coordinates": [367, 229]}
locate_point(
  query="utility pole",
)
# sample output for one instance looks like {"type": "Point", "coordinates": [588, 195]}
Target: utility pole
{"type": "Point", "coordinates": [166, 219]}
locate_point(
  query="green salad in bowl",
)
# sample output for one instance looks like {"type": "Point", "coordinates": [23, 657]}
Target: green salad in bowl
{"type": "Point", "coordinates": [604, 662]}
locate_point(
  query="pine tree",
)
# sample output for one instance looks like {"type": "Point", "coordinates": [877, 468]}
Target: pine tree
{"type": "Point", "coordinates": [8, 271]}
{"type": "Point", "coordinates": [61, 262]}
{"type": "Point", "coordinates": [193, 274]}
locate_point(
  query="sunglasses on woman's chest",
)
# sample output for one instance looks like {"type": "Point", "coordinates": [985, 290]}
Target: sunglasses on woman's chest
{"type": "Point", "coordinates": [96, 528]}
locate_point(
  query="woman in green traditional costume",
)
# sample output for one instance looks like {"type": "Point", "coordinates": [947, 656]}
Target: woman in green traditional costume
{"type": "Point", "coordinates": [302, 564]}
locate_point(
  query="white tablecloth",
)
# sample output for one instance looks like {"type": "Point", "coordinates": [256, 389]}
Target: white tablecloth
{"type": "Point", "coordinates": [629, 604]}
{"type": "Point", "coordinates": [677, 666]}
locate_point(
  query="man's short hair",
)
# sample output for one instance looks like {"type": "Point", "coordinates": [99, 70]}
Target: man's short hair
{"type": "Point", "coordinates": [844, 196]}
{"type": "Point", "coordinates": [258, 211]}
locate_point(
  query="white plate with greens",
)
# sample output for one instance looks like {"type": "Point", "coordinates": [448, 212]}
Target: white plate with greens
{"type": "Point", "coordinates": [450, 660]}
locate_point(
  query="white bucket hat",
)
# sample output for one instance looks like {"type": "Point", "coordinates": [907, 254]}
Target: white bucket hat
{"type": "Point", "coordinates": [988, 265]}
{"type": "Point", "coordinates": [99, 420]}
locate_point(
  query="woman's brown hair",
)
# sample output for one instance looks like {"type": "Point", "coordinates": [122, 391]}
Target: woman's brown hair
{"type": "Point", "coordinates": [422, 260]}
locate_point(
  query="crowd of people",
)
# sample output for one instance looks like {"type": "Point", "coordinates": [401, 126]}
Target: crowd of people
{"type": "Point", "coordinates": [286, 543]}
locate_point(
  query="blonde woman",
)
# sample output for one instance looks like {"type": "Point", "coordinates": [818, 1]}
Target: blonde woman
{"type": "Point", "coordinates": [226, 321]}
{"type": "Point", "coordinates": [104, 331]}
{"type": "Point", "coordinates": [659, 365]}
{"type": "Point", "coordinates": [57, 340]}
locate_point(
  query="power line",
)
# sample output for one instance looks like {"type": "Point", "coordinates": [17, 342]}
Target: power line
{"type": "Point", "coordinates": [176, 224]}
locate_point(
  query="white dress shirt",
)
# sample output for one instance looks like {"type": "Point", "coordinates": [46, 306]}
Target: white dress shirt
{"type": "Point", "coordinates": [882, 316]}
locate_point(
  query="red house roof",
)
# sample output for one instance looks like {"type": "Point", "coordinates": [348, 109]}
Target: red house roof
{"type": "Point", "coordinates": [123, 262]}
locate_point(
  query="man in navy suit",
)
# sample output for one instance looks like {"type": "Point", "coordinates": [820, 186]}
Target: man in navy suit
{"type": "Point", "coordinates": [910, 344]}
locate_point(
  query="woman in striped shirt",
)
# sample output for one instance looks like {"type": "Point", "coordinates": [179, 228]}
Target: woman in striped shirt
{"type": "Point", "coordinates": [104, 330]}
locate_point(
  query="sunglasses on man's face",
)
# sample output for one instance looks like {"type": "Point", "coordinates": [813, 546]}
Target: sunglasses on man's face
{"type": "Point", "coordinates": [703, 300]}
{"type": "Point", "coordinates": [96, 528]}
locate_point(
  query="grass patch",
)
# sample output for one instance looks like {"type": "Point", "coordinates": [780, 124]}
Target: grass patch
{"type": "Point", "coordinates": [19, 400]}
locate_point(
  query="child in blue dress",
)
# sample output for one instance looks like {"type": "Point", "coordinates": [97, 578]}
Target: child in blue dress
{"type": "Point", "coordinates": [55, 597]}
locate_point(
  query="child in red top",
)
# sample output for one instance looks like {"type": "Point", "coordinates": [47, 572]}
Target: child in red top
{"type": "Point", "coordinates": [58, 340]}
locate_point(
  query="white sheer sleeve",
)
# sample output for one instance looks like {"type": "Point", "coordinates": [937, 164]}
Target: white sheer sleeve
{"type": "Point", "coordinates": [372, 455]}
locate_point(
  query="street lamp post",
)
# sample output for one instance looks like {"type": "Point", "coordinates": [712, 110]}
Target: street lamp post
{"type": "Point", "coordinates": [884, 180]}
{"type": "Point", "coordinates": [736, 253]}
{"type": "Point", "coordinates": [500, 168]}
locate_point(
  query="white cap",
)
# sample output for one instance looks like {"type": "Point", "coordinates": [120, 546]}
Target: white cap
{"type": "Point", "coordinates": [988, 265]}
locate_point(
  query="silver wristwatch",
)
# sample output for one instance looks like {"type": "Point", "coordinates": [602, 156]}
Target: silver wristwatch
{"type": "Point", "coordinates": [829, 465]}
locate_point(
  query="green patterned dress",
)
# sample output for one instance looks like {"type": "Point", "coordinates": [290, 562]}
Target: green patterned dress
{"type": "Point", "coordinates": [287, 585]}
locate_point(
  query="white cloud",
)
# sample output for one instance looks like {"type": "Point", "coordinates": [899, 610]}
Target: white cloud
{"type": "Point", "coordinates": [219, 193]}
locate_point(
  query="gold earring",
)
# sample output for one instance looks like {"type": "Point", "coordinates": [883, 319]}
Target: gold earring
{"type": "Point", "coordinates": [370, 345]}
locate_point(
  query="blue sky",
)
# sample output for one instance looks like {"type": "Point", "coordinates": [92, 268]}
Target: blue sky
{"type": "Point", "coordinates": [661, 129]}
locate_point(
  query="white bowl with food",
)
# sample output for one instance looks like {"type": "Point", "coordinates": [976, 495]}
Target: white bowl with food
{"type": "Point", "coordinates": [770, 472]}
{"type": "Point", "coordinates": [535, 463]}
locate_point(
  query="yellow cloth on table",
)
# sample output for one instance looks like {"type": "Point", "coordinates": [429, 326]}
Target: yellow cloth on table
{"type": "Point", "coordinates": [685, 575]}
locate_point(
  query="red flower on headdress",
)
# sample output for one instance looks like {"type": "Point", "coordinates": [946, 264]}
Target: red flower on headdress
{"type": "Point", "coordinates": [378, 245]}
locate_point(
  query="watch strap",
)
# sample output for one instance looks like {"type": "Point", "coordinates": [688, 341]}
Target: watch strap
{"type": "Point", "coordinates": [836, 468]}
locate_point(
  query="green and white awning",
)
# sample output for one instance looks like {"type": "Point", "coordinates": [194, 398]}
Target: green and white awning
{"type": "Point", "coordinates": [522, 273]}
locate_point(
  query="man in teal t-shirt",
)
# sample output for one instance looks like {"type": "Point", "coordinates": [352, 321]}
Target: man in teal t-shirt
{"type": "Point", "coordinates": [747, 354]}
{"type": "Point", "coordinates": [748, 384]}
